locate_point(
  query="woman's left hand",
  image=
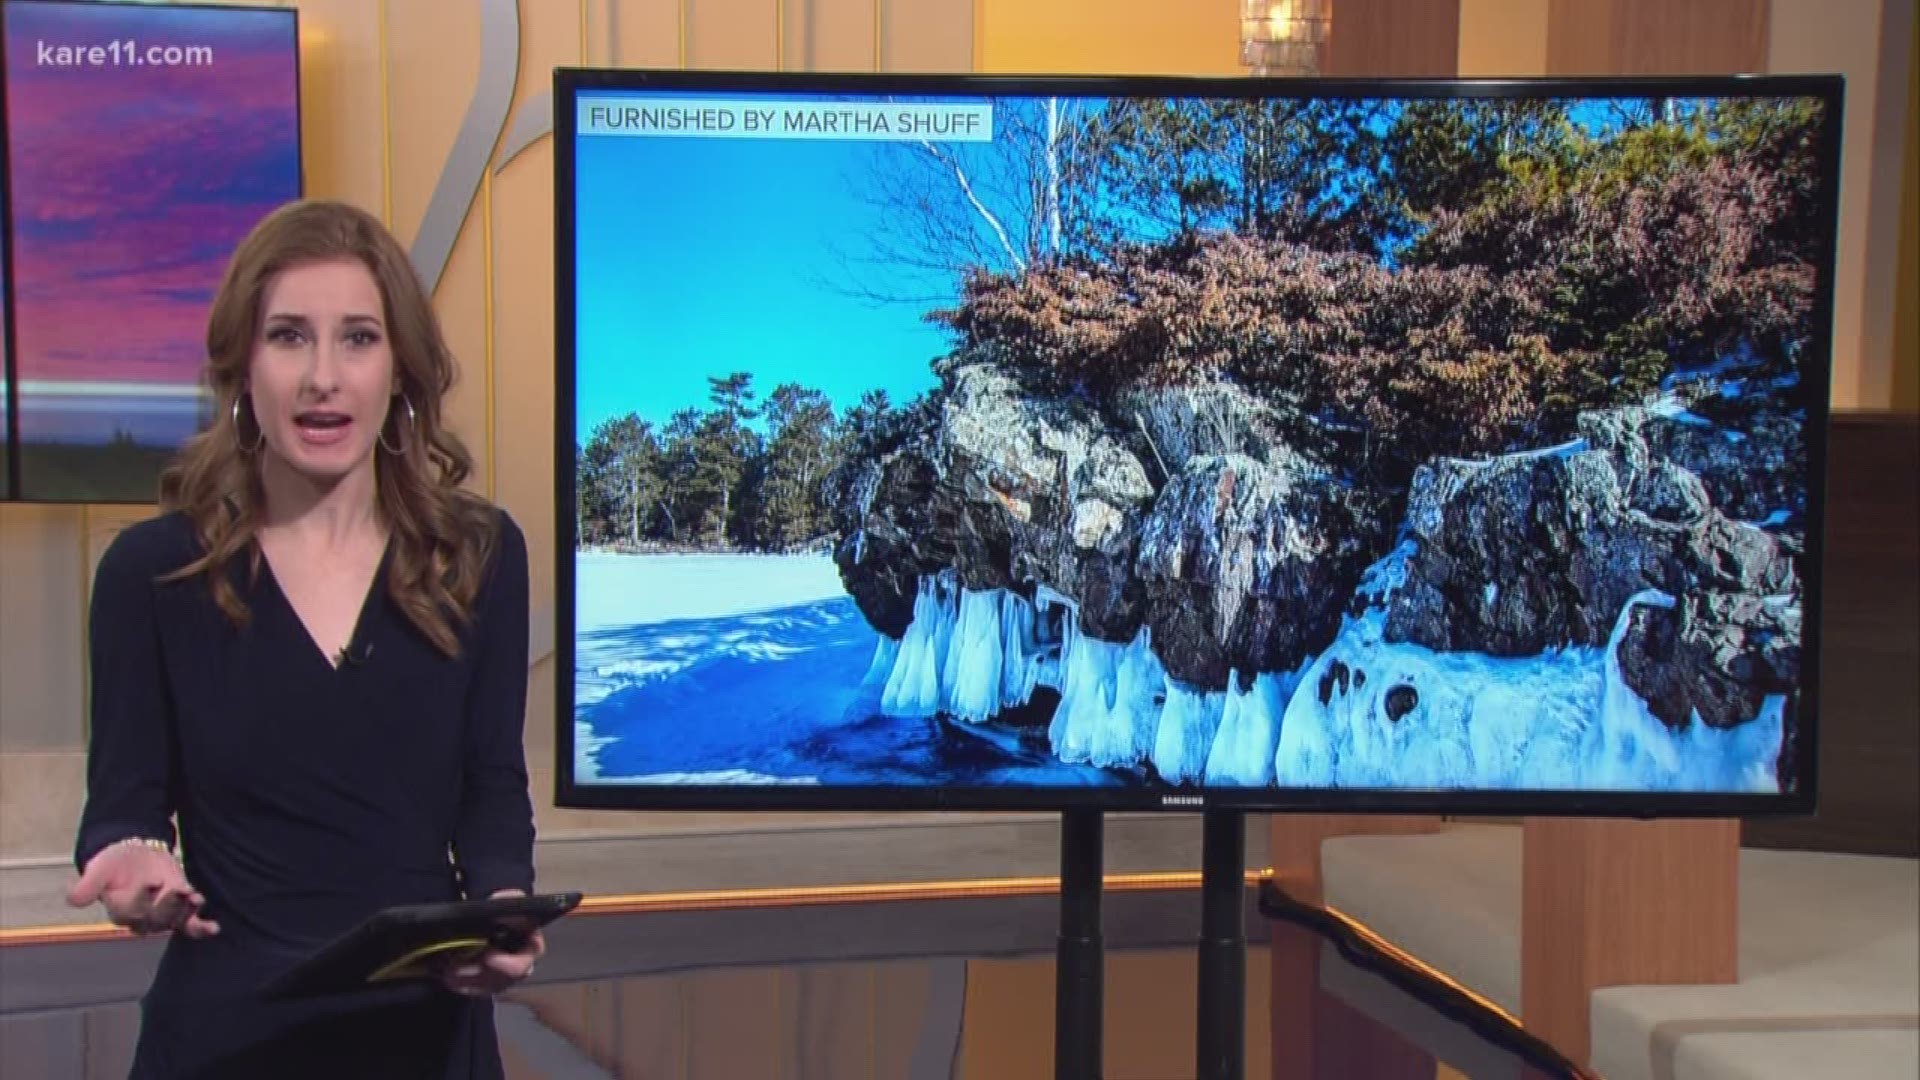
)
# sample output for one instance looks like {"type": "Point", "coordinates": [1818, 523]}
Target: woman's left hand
{"type": "Point", "coordinates": [496, 969]}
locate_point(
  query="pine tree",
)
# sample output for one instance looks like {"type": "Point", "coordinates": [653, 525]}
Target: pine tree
{"type": "Point", "coordinates": [619, 480]}
{"type": "Point", "coordinates": [723, 448]}
{"type": "Point", "coordinates": [800, 447]}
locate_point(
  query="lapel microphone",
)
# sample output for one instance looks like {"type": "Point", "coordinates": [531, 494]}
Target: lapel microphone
{"type": "Point", "coordinates": [348, 655]}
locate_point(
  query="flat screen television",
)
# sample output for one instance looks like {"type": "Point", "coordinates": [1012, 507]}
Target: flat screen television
{"type": "Point", "coordinates": [142, 142]}
{"type": "Point", "coordinates": [967, 442]}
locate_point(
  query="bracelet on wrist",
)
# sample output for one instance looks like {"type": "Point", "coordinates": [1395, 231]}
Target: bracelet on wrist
{"type": "Point", "coordinates": [144, 841]}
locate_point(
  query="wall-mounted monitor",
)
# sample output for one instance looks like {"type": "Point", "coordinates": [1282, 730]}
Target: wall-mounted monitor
{"type": "Point", "coordinates": [943, 442]}
{"type": "Point", "coordinates": [142, 142]}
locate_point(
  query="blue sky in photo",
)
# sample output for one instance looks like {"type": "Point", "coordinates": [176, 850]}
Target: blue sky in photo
{"type": "Point", "coordinates": [700, 256]}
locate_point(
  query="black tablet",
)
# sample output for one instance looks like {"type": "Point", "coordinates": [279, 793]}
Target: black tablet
{"type": "Point", "coordinates": [417, 941]}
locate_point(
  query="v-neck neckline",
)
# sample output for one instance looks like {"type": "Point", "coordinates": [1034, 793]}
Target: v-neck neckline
{"type": "Point", "coordinates": [359, 626]}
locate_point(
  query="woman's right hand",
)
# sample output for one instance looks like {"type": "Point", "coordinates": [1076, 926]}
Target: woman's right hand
{"type": "Point", "coordinates": [143, 889]}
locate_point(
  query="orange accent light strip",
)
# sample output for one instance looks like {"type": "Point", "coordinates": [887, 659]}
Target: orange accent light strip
{"type": "Point", "coordinates": [1402, 956]}
{"type": "Point", "coordinates": [708, 899]}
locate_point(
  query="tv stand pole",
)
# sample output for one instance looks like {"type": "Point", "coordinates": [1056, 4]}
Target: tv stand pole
{"type": "Point", "coordinates": [1221, 1037]}
{"type": "Point", "coordinates": [1080, 962]}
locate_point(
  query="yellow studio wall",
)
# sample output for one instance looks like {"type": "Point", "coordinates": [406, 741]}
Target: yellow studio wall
{"type": "Point", "coordinates": [1503, 38]}
{"type": "Point", "coordinates": [1108, 37]}
{"type": "Point", "coordinates": [385, 88]}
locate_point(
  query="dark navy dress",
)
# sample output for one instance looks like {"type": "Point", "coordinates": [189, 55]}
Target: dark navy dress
{"type": "Point", "coordinates": [308, 797]}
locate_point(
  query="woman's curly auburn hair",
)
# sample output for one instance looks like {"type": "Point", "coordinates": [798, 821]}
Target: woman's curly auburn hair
{"type": "Point", "coordinates": [443, 537]}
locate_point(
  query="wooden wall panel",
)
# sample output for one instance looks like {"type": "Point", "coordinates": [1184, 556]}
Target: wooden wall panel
{"type": "Point", "coordinates": [44, 1044]}
{"type": "Point", "coordinates": [1580, 37]}
{"type": "Point", "coordinates": [1906, 325]}
{"type": "Point", "coordinates": [433, 60]}
{"type": "Point", "coordinates": [343, 121]}
{"type": "Point", "coordinates": [1007, 1036]}
{"type": "Point", "coordinates": [112, 1033]}
{"type": "Point", "coordinates": [652, 1027]}
{"type": "Point", "coordinates": [1613, 903]}
{"type": "Point", "coordinates": [646, 33]}
{"type": "Point", "coordinates": [43, 636]}
{"type": "Point", "coordinates": [461, 302]}
{"type": "Point", "coordinates": [1108, 37]}
{"type": "Point", "coordinates": [519, 220]}
{"type": "Point", "coordinates": [42, 792]}
{"type": "Point", "coordinates": [833, 1023]}
{"type": "Point", "coordinates": [838, 35]}
{"type": "Point", "coordinates": [903, 1000]}
{"type": "Point", "coordinates": [1657, 37]}
{"type": "Point", "coordinates": [1152, 1014]}
{"type": "Point", "coordinates": [740, 1023]}
{"type": "Point", "coordinates": [1503, 37]}
{"type": "Point", "coordinates": [1868, 722]}
{"type": "Point", "coordinates": [1394, 38]}
{"type": "Point", "coordinates": [586, 1015]}
{"type": "Point", "coordinates": [1892, 119]}
{"type": "Point", "coordinates": [733, 34]}
{"type": "Point", "coordinates": [433, 51]}
{"type": "Point", "coordinates": [1816, 36]}
{"type": "Point", "coordinates": [596, 19]}
{"type": "Point", "coordinates": [926, 35]}
{"type": "Point", "coordinates": [1349, 1042]}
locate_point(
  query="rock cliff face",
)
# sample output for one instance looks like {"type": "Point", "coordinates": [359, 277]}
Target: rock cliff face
{"type": "Point", "coordinates": [1750, 462]}
{"type": "Point", "coordinates": [1531, 552]}
{"type": "Point", "coordinates": [1155, 513]}
{"type": "Point", "coordinates": [1197, 533]}
{"type": "Point", "coordinates": [1247, 564]}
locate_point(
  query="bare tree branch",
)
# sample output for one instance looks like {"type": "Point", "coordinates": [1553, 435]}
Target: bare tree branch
{"type": "Point", "coordinates": [966, 187]}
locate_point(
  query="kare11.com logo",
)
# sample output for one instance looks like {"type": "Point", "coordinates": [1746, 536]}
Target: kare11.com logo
{"type": "Point", "coordinates": [122, 52]}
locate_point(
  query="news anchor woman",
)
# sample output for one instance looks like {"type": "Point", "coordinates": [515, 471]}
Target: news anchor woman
{"type": "Point", "coordinates": [314, 660]}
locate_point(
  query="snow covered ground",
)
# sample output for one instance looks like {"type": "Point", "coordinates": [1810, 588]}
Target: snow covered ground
{"type": "Point", "coordinates": [757, 670]}
{"type": "Point", "coordinates": [622, 590]}
{"type": "Point", "coordinates": [747, 669]}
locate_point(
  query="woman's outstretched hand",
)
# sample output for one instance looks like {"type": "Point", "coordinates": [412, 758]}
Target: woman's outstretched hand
{"type": "Point", "coordinates": [497, 969]}
{"type": "Point", "coordinates": [143, 889]}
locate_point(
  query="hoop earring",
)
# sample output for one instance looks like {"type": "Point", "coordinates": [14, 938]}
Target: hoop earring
{"type": "Point", "coordinates": [237, 440]}
{"type": "Point", "coordinates": [413, 421]}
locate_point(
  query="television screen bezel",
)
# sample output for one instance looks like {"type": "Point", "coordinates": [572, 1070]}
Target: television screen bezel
{"type": "Point", "coordinates": [11, 486]}
{"type": "Point", "coordinates": [1815, 372]}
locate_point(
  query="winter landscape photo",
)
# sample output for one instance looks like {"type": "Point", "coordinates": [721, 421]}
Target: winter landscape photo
{"type": "Point", "coordinates": [1361, 443]}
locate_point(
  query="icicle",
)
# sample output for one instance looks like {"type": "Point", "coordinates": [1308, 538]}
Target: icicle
{"type": "Point", "coordinates": [913, 687]}
{"type": "Point", "coordinates": [885, 652]}
{"type": "Point", "coordinates": [1185, 734]}
{"type": "Point", "coordinates": [972, 676]}
{"type": "Point", "coordinates": [1243, 750]}
{"type": "Point", "coordinates": [1021, 651]}
{"type": "Point", "coordinates": [968, 654]}
{"type": "Point", "coordinates": [1107, 713]}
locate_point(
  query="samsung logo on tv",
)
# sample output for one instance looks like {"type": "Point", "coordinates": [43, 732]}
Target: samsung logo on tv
{"type": "Point", "coordinates": [1183, 800]}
